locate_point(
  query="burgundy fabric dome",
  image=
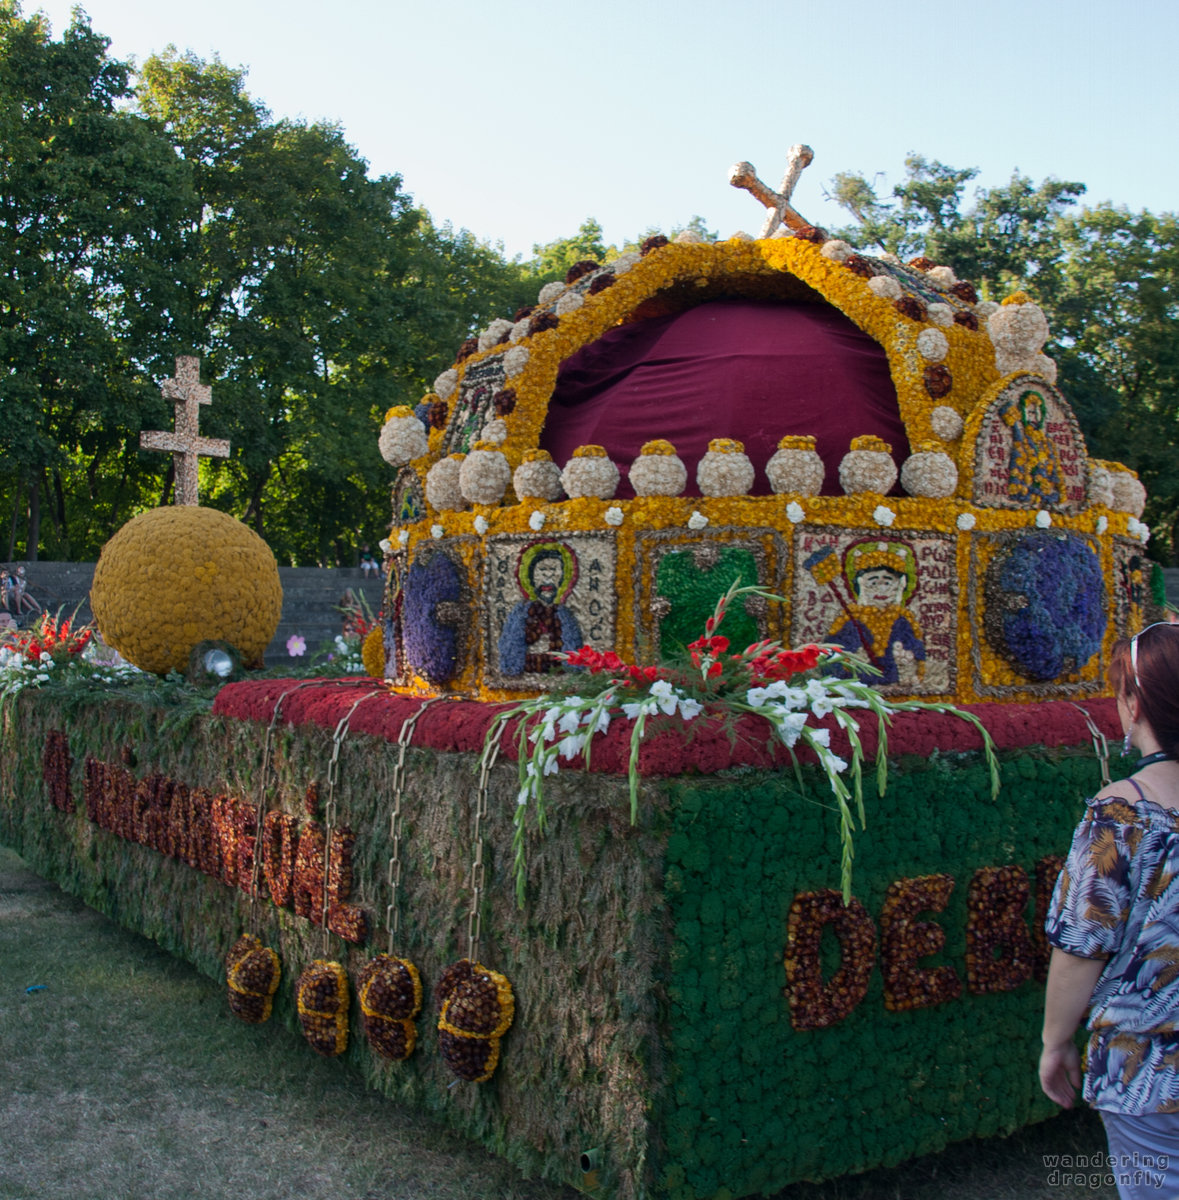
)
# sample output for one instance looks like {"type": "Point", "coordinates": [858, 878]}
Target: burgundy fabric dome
{"type": "Point", "coordinates": [746, 369]}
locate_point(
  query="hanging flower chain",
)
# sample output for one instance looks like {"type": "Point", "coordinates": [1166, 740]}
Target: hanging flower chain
{"type": "Point", "coordinates": [785, 687]}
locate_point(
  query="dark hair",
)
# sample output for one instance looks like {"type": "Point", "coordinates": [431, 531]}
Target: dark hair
{"type": "Point", "coordinates": [1157, 684]}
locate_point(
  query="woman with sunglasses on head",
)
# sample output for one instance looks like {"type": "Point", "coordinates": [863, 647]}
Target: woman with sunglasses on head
{"type": "Point", "coordinates": [1114, 926]}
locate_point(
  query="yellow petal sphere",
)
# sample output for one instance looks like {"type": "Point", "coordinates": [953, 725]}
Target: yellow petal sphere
{"type": "Point", "coordinates": [174, 577]}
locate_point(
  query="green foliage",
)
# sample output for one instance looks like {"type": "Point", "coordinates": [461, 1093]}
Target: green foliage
{"type": "Point", "coordinates": [170, 214]}
{"type": "Point", "coordinates": [1108, 280]}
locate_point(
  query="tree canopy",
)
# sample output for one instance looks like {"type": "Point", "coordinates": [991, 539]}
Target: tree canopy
{"type": "Point", "coordinates": [150, 214]}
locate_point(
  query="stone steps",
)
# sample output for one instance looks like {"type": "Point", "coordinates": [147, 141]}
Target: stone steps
{"type": "Point", "coordinates": [309, 599]}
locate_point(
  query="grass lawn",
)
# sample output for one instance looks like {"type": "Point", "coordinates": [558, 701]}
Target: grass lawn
{"type": "Point", "coordinates": [124, 1077]}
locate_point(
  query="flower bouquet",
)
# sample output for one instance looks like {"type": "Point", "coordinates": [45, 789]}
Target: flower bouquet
{"type": "Point", "coordinates": [789, 689]}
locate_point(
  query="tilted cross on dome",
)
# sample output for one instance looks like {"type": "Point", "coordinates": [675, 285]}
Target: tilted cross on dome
{"type": "Point", "coordinates": [781, 211]}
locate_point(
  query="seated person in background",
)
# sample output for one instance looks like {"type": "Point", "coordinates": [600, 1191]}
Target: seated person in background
{"type": "Point", "coordinates": [23, 601]}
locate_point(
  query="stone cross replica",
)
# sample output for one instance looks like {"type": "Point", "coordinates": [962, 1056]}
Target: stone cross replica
{"type": "Point", "coordinates": [186, 392]}
{"type": "Point", "coordinates": [744, 175]}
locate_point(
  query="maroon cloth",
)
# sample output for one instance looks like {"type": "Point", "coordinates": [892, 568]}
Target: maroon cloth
{"type": "Point", "coordinates": [745, 369]}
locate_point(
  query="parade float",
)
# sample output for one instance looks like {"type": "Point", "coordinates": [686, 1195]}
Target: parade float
{"type": "Point", "coordinates": [622, 868]}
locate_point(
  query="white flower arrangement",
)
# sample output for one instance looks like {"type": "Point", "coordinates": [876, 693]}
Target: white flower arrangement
{"type": "Point", "coordinates": [725, 470]}
{"type": "Point", "coordinates": [538, 479]}
{"type": "Point", "coordinates": [446, 383]}
{"type": "Point", "coordinates": [520, 330]}
{"type": "Point", "coordinates": [536, 521]}
{"type": "Point", "coordinates": [550, 292]}
{"type": "Point", "coordinates": [1138, 529]}
{"type": "Point", "coordinates": [403, 538]}
{"type": "Point", "coordinates": [795, 513]}
{"type": "Point", "coordinates": [944, 277]}
{"type": "Point", "coordinates": [556, 728]}
{"type": "Point", "coordinates": [484, 475]}
{"type": "Point", "coordinates": [886, 287]}
{"type": "Point", "coordinates": [932, 345]}
{"type": "Point", "coordinates": [569, 302]}
{"type": "Point", "coordinates": [966, 521]}
{"type": "Point", "coordinates": [1043, 519]}
{"type": "Point", "coordinates": [436, 532]}
{"type": "Point", "coordinates": [403, 437]}
{"type": "Point", "coordinates": [984, 309]}
{"type": "Point", "coordinates": [385, 546]}
{"type": "Point", "coordinates": [836, 250]}
{"type": "Point", "coordinates": [443, 490]}
{"type": "Point", "coordinates": [515, 360]}
{"type": "Point", "coordinates": [940, 314]}
{"type": "Point", "coordinates": [1102, 523]}
{"type": "Point", "coordinates": [796, 468]}
{"type": "Point", "coordinates": [1129, 496]}
{"type": "Point", "coordinates": [946, 422]}
{"type": "Point", "coordinates": [1100, 484]}
{"type": "Point", "coordinates": [867, 470]}
{"type": "Point", "coordinates": [495, 432]}
{"type": "Point", "coordinates": [624, 262]}
{"type": "Point", "coordinates": [657, 473]}
{"type": "Point", "coordinates": [481, 525]}
{"type": "Point", "coordinates": [883, 515]}
{"type": "Point", "coordinates": [590, 474]}
{"type": "Point", "coordinates": [697, 520]}
{"type": "Point", "coordinates": [930, 473]}
{"type": "Point", "coordinates": [494, 333]}
{"type": "Point", "coordinates": [613, 515]}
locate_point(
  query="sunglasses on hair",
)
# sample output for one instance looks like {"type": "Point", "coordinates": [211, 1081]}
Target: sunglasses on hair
{"type": "Point", "coordinates": [1134, 647]}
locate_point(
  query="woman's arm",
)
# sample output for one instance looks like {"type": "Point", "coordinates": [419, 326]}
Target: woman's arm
{"type": "Point", "coordinates": [1071, 981]}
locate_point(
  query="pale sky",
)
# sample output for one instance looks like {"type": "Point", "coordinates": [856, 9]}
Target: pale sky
{"type": "Point", "coordinates": [518, 121]}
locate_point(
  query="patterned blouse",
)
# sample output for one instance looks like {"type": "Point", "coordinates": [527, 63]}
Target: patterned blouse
{"type": "Point", "coordinates": [1118, 895]}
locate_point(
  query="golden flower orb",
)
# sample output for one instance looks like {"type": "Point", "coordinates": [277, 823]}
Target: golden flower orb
{"type": "Point", "coordinates": [177, 576]}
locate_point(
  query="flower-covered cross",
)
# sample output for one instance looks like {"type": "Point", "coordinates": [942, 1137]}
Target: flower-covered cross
{"type": "Point", "coordinates": [744, 175]}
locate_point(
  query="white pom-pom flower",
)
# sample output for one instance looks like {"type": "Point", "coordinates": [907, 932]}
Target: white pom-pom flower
{"type": "Point", "coordinates": [537, 477]}
{"type": "Point", "coordinates": [725, 470]}
{"type": "Point", "coordinates": [1043, 519]}
{"type": "Point", "coordinates": [624, 262]}
{"type": "Point", "coordinates": [403, 437]}
{"type": "Point", "coordinates": [1102, 523]}
{"type": "Point", "coordinates": [445, 384]}
{"type": "Point", "coordinates": [436, 531]}
{"type": "Point", "coordinates": [795, 513]}
{"type": "Point", "coordinates": [550, 292]}
{"type": "Point", "coordinates": [403, 538]}
{"type": "Point", "coordinates": [495, 432]}
{"type": "Point", "coordinates": [536, 521]}
{"type": "Point", "coordinates": [590, 473]}
{"type": "Point", "coordinates": [658, 470]}
{"type": "Point", "coordinates": [867, 466]}
{"type": "Point", "coordinates": [929, 472]}
{"type": "Point", "coordinates": [944, 277]}
{"type": "Point", "coordinates": [613, 515]}
{"type": "Point", "coordinates": [940, 314]}
{"type": "Point", "coordinates": [965, 522]}
{"type": "Point", "coordinates": [484, 475]}
{"type": "Point", "coordinates": [836, 250]}
{"type": "Point", "coordinates": [883, 515]}
{"type": "Point", "coordinates": [515, 361]}
{"type": "Point", "coordinates": [697, 520]}
{"type": "Point", "coordinates": [796, 467]}
{"type": "Point", "coordinates": [569, 302]}
{"type": "Point", "coordinates": [520, 330]}
{"type": "Point", "coordinates": [494, 333]}
{"type": "Point", "coordinates": [885, 287]}
{"type": "Point", "coordinates": [932, 345]}
{"type": "Point", "coordinates": [946, 422]}
{"type": "Point", "coordinates": [481, 525]}
{"type": "Point", "coordinates": [442, 483]}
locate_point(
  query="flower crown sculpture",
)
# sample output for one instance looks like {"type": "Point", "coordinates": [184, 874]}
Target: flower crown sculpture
{"type": "Point", "coordinates": [995, 479]}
